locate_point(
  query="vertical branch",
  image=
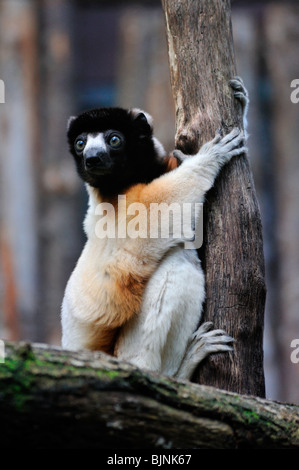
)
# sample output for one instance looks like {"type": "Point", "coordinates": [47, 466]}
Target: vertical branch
{"type": "Point", "coordinates": [202, 62]}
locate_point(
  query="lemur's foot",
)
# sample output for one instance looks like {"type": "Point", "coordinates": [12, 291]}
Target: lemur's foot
{"type": "Point", "coordinates": [203, 342]}
{"type": "Point", "coordinates": [240, 91]}
{"type": "Point", "coordinates": [206, 341]}
{"type": "Point", "coordinates": [241, 94]}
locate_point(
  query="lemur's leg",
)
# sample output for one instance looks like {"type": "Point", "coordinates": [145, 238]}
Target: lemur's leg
{"type": "Point", "coordinates": [203, 342]}
{"type": "Point", "coordinates": [156, 339]}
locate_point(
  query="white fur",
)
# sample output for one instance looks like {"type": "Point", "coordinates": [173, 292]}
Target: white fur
{"type": "Point", "coordinates": [96, 141]}
{"type": "Point", "coordinates": [156, 339]}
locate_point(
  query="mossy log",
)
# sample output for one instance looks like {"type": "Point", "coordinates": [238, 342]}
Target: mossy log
{"type": "Point", "coordinates": [51, 398]}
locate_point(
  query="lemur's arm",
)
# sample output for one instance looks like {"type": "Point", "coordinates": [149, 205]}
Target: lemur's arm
{"type": "Point", "coordinates": [196, 175]}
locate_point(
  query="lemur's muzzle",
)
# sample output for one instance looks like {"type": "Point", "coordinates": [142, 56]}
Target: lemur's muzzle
{"type": "Point", "coordinates": [97, 162]}
{"type": "Point", "coordinates": [92, 162]}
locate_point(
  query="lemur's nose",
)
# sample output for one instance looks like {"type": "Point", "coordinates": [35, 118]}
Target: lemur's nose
{"type": "Point", "coordinates": [92, 162]}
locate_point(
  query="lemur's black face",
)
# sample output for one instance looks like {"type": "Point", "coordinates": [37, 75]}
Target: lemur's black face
{"type": "Point", "coordinates": [100, 152]}
{"type": "Point", "coordinates": [114, 149]}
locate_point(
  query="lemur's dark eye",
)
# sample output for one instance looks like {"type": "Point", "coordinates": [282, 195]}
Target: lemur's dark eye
{"type": "Point", "coordinates": [79, 145]}
{"type": "Point", "coordinates": [115, 141]}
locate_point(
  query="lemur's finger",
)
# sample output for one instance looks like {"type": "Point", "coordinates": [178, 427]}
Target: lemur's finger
{"type": "Point", "coordinates": [180, 156]}
{"type": "Point", "coordinates": [235, 133]}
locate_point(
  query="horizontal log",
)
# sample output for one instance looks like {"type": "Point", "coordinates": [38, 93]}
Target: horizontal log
{"type": "Point", "coordinates": [157, 2]}
{"type": "Point", "coordinates": [51, 398]}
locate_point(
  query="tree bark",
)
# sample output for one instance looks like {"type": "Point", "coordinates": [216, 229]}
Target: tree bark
{"type": "Point", "coordinates": [202, 62]}
{"type": "Point", "coordinates": [51, 398]}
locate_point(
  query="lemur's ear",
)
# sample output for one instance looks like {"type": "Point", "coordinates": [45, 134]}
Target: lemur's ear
{"type": "Point", "coordinates": [69, 122]}
{"type": "Point", "coordinates": [142, 118]}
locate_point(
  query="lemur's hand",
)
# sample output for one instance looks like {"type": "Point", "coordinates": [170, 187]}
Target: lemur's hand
{"type": "Point", "coordinates": [222, 149]}
{"type": "Point", "coordinates": [241, 94]}
{"type": "Point", "coordinates": [240, 91]}
{"type": "Point", "coordinates": [180, 156]}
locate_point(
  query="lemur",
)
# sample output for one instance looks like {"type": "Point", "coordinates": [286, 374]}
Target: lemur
{"type": "Point", "coordinates": [140, 299]}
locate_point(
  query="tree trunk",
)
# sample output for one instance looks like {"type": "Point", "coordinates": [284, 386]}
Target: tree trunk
{"type": "Point", "coordinates": [201, 60]}
{"type": "Point", "coordinates": [51, 398]}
